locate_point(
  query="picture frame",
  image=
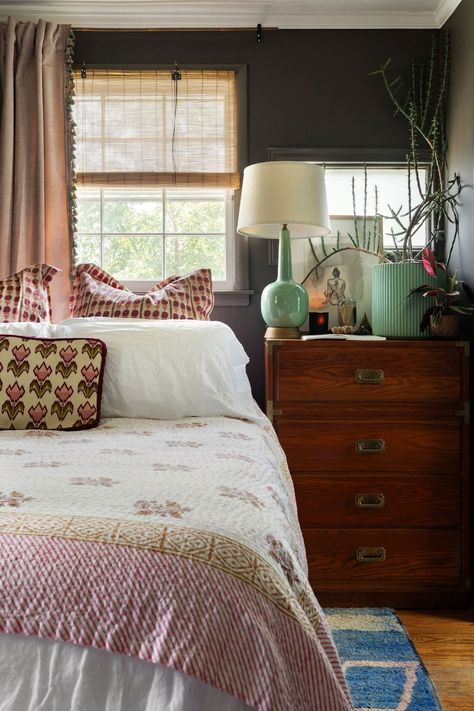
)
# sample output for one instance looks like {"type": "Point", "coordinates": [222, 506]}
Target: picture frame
{"type": "Point", "coordinates": [315, 260]}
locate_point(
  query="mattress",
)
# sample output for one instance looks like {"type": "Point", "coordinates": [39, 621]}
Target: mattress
{"type": "Point", "coordinates": [157, 559]}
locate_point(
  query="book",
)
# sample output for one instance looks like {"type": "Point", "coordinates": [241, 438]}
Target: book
{"type": "Point", "coordinates": [341, 336]}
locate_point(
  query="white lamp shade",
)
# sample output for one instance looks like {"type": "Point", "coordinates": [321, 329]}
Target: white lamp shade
{"type": "Point", "coordinates": [283, 192]}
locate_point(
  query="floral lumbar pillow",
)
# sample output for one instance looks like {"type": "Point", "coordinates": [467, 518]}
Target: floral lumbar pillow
{"type": "Point", "coordinates": [53, 384]}
{"type": "Point", "coordinates": [96, 293]}
{"type": "Point", "coordinates": [24, 296]}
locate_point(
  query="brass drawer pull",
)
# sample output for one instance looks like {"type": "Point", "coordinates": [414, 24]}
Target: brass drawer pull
{"type": "Point", "coordinates": [370, 501]}
{"type": "Point", "coordinates": [370, 555]}
{"type": "Point", "coordinates": [369, 376]}
{"type": "Point", "coordinates": [370, 446]}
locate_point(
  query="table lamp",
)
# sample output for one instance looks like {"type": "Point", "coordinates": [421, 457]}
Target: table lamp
{"type": "Point", "coordinates": [288, 197]}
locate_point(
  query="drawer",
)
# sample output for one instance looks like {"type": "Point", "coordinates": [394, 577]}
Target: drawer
{"type": "Point", "coordinates": [355, 446]}
{"type": "Point", "coordinates": [374, 372]}
{"type": "Point", "coordinates": [386, 556]}
{"type": "Point", "coordinates": [348, 501]}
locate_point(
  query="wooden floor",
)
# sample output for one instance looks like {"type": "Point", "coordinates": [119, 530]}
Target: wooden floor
{"type": "Point", "coordinates": [445, 641]}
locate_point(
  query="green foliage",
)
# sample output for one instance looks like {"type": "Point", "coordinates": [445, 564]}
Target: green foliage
{"type": "Point", "coordinates": [133, 257]}
{"type": "Point", "coordinates": [133, 247]}
{"type": "Point", "coordinates": [88, 249]}
{"type": "Point", "coordinates": [445, 292]}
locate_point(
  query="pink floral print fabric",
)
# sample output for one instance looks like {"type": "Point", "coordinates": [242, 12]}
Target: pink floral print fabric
{"type": "Point", "coordinates": [50, 383]}
{"type": "Point", "coordinates": [24, 296]}
{"type": "Point", "coordinates": [96, 293]}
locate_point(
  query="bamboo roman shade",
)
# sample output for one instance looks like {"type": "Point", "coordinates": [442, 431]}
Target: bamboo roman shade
{"type": "Point", "coordinates": [141, 128]}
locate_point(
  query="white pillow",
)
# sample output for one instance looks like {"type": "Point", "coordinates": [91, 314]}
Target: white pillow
{"type": "Point", "coordinates": [43, 329]}
{"type": "Point", "coordinates": [169, 369]}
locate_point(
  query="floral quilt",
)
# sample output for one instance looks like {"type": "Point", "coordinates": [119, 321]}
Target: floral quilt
{"type": "Point", "coordinates": [175, 542]}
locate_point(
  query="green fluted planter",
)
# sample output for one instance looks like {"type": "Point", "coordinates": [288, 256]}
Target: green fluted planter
{"type": "Point", "coordinates": [393, 315]}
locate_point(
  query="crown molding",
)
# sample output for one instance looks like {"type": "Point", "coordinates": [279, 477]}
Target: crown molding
{"type": "Point", "coordinates": [444, 11]}
{"type": "Point", "coordinates": [214, 14]}
{"type": "Point", "coordinates": [361, 20]}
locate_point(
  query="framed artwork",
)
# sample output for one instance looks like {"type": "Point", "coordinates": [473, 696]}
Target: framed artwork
{"type": "Point", "coordinates": [333, 268]}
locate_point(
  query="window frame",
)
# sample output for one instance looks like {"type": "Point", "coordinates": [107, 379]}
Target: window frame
{"type": "Point", "coordinates": [343, 158]}
{"type": "Point", "coordinates": [142, 286]}
{"type": "Point", "coordinates": [235, 291]}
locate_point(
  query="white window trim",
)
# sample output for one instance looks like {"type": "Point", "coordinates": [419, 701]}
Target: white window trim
{"type": "Point", "coordinates": [235, 291]}
{"type": "Point", "coordinates": [142, 286]}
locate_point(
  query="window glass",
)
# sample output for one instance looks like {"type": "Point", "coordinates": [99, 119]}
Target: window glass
{"type": "Point", "coordinates": [392, 190]}
{"type": "Point", "coordinates": [135, 211]}
{"type": "Point", "coordinates": [146, 235]}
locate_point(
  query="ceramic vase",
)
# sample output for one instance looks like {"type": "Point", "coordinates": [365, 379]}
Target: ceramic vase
{"type": "Point", "coordinates": [393, 314]}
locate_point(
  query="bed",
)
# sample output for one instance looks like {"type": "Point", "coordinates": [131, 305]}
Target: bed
{"type": "Point", "coordinates": [152, 564]}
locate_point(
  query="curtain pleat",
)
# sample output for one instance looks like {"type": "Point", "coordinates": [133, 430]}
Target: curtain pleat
{"type": "Point", "coordinates": [35, 210]}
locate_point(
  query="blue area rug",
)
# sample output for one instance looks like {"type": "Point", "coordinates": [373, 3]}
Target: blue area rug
{"type": "Point", "coordinates": [382, 668]}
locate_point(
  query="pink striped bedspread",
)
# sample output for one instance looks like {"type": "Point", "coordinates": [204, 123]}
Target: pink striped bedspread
{"type": "Point", "coordinates": [175, 542]}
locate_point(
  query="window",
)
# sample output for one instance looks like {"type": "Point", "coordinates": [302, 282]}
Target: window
{"type": "Point", "coordinates": [386, 170]}
{"type": "Point", "coordinates": [156, 161]}
{"type": "Point", "coordinates": [144, 235]}
{"type": "Point", "coordinates": [392, 192]}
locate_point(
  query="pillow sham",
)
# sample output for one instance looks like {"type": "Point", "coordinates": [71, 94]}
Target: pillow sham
{"type": "Point", "coordinates": [50, 384]}
{"type": "Point", "coordinates": [170, 369]}
{"type": "Point", "coordinates": [96, 293]}
{"type": "Point", "coordinates": [42, 329]}
{"type": "Point", "coordinates": [24, 296]}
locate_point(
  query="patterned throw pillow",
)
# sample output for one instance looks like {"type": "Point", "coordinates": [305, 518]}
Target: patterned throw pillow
{"type": "Point", "coordinates": [96, 293]}
{"type": "Point", "coordinates": [50, 384]}
{"type": "Point", "coordinates": [24, 296]}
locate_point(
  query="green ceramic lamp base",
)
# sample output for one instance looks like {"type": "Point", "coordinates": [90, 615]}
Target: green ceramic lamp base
{"type": "Point", "coordinates": [284, 303]}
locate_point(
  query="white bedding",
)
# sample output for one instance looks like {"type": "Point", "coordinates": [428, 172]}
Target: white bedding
{"type": "Point", "coordinates": [41, 675]}
{"type": "Point", "coordinates": [173, 542]}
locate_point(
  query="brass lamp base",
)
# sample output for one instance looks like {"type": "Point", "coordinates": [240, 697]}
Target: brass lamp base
{"type": "Point", "coordinates": [274, 333]}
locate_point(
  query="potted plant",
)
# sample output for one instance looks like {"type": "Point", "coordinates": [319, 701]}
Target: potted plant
{"type": "Point", "coordinates": [429, 205]}
{"type": "Point", "coordinates": [443, 315]}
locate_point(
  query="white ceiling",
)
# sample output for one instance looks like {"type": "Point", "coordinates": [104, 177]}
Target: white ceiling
{"type": "Point", "coordinates": [286, 14]}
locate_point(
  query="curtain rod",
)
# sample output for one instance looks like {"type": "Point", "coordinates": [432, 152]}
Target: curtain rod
{"type": "Point", "coordinates": [171, 29]}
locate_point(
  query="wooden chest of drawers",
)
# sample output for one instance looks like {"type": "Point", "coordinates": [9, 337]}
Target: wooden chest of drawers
{"type": "Point", "coordinates": [376, 436]}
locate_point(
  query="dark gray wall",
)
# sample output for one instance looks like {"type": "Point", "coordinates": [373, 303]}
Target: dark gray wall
{"type": "Point", "coordinates": [461, 132]}
{"type": "Point", "coordinates": [305, 88]}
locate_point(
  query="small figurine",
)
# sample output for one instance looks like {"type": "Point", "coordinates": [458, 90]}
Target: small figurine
{"type": "Point", "coordinates": [365, 329]}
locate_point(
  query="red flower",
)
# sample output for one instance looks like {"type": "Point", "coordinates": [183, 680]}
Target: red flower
{"type": "Point", "coordinates": [67, 354]}
{"type": "Point", "coordinates": [37, 413]}
{"type": "Point", "coordinates": [20, 353]}
{"type": "Point", "coordinates": [15, 392]}
{"type": "Point", "coordinates": [64, 392]}
{"type": "Point", "coordinates": [90, 373]}
{"type": "Point", "coordinates": [86, 411]}
{"type": "Point", "coordinates": [42, 371]}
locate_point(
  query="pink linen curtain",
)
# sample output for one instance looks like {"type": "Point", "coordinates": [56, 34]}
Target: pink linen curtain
{"type": "Point", "coordinates": [35, 224]}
